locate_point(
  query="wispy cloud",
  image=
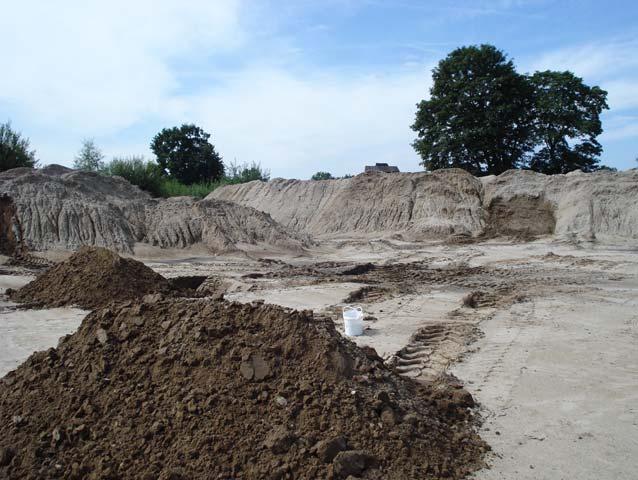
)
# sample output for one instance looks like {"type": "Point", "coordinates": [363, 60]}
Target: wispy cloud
{"type": "Point", "coordinates": [102, 66]}
{"type": "Point", "coordinates": [596, 60]}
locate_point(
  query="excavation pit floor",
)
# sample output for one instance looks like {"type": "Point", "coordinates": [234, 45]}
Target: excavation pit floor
{"type": "Point", "coordinates": [548, 347]}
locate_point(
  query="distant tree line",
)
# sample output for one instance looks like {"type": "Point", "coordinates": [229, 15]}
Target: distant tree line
{"type": "Point", "coordinates": [485, 117]}
{"type": "Point", "coordinates": [186, 162]}
{"type": "Point", "coordinates": [481, 116]}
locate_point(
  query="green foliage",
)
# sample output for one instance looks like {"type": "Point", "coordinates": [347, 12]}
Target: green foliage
{"type": "Point", "coordinates": [322, 176]}
{"type": "Point", "coordinates": [171, 187]}
{"type": "Point", "coordinates": [478, 116]}
{"type": "Point", "coordinates": [89, 158]}
{"type": "Point", "coordinates": [15, 151]}
{"type": "Point", "coordinates": [185, 154]}
{"type": "Point", "coordinates": [236, 173]}
{"type": "Point", "coordinates": [567, 122]}
{"type": "Point", "coordinates": [138, 171]}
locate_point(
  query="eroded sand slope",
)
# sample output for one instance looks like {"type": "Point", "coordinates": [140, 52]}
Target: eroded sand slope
{"type": "Point", "coordinates": [65, 209]}
{"type": "Point", "coordinates": [579, 205]}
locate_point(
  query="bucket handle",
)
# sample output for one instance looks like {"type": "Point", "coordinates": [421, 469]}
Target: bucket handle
{"type": "Point", "coordinates": [348, 307]}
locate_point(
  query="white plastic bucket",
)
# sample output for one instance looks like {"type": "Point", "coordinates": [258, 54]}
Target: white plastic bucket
{"type": "Point", "coordinates": [353, 321]}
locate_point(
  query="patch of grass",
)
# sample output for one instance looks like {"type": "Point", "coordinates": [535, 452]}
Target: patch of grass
{"type": "Point", "coordinates": [169, 187]}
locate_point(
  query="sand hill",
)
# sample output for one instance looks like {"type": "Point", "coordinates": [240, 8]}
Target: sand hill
{"type": "Point", "coordinates": [433, 205]}
{"type": "Point", "coordinates": [63, 208]}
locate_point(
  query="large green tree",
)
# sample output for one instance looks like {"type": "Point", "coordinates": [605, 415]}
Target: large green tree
{"type": "Point", "coordinates": [566, 123]}
{"type": "Point", "coordinates": [478, 116]}
{"type": "Point", "coordinates": [185, 154]}
{"type": "Point", "coordinates": [15, 151]}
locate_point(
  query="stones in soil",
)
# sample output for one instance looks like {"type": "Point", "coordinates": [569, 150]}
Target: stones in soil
{"type": "Point", "coordinates": [194, 390]}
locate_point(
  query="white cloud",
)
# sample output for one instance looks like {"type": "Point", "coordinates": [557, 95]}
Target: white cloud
{"type": "Point", "coordinates": [620, 127]}
{"type": "Point", "coordinates": [599, 60]}
{"type": "Point", "coordinates": [623, 94]}
{"type": "Point", "coordinates": [298, 124]}
{"type": "Point", "coordinates": [95, 66]}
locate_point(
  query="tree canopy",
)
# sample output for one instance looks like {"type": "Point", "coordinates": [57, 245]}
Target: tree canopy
{"type": "Point", "coordinates": [15, 151]}
{"type": "Point", "coordinates": [566, 123]}
{"type": "Point", "coordinates": [486, 118]}
{"type": "Point", "coordinates": [185, 154]}
{"type": "Point", "coordinates": [322, 176]}
{"type": "Point", "coordinates": [89, 158]}
{"type": "Point", "coordinates": [478, 116]}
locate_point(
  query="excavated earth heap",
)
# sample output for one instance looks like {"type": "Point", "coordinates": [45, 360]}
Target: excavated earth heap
{"type": "Point", "coordinates": [451, 202]}
{"type": "Point", "coordinates": [62, 208]}
{"type": "Point", "coordinates": [195, 388]}
{"type": "Point", "coordinates": [91, 278]}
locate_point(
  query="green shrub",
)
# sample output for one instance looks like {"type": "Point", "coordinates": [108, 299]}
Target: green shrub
{"type": "Point", "coordinates": [322, 176]}
{"type": "Point", "coordinates": [170, 187]}
{"type": "Point", "coordinates": [138, 171]}
{"type": "Point", "coordinates": [243, 173]}
{"type": "Point", "coordinates": [15, 151]}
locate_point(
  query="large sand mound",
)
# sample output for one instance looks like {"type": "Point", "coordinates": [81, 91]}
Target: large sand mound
{"type": "Point", "coordinates": [184, 389]}
{"type": "Point", "coordinates": [62, 208]}
{"type": "Point", "coordinates": [91, 278]}
{"type": "Point", "coordinates": [588, 206]}
{"type": "Point", "coordinates": [421, 205]}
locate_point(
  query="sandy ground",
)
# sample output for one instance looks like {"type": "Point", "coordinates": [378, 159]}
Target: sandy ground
{"type": "Point", "coordinates": [24, 331]}
{"type": "Point", "coordinates": [550, 353]}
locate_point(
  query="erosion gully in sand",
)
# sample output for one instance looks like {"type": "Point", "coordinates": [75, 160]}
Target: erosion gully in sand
{"type": "Point", "coordinates": [540, 326]}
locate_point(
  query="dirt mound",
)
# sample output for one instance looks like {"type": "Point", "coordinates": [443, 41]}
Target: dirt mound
{"type": "Point", "coordinates": [452, 205]}
{"type": "Point", "coordinates": [63, 208]}
{"type": "Point", "coordinates": [91, 278]}
{"type": "Point", "coordinates": [587, 206]}
{"type": "Point", "coordinates": [419, 205]}
{"type": "Point", "coordinates": [185, 389]}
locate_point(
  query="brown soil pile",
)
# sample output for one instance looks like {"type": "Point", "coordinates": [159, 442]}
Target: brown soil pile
{"type": "Point", "coordinates": [91, 278]}
{"type": "Point", "coordinates": [193, 388]}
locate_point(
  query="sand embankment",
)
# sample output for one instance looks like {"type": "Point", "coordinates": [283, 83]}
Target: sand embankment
{"type": "Point", "coordinates": [578, 205]}
{"type": "Point", "coordinates": [62, 208]}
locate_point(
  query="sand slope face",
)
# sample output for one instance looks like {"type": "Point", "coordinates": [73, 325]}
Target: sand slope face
{"type": "Point", "coordinates": [586, 206]}
{"type": "Point", "coordinates": [589, 206]}
{"type": "Point", "coordinates": [419, 204]}
{"type": "Point", "coordinates": [62, 208]}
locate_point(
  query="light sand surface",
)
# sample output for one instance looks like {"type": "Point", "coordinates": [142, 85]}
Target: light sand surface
{"type": "Point", "coordinates": [557, 379]}
{"type": "Point", "coordinates": [550, 353]}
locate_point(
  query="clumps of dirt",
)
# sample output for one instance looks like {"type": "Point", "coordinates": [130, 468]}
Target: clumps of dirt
{"type": "Point", "coordinates": [498, 297]}
{"type": "Point", "coordinates": [91, 278]}
{"type": "Point", "coordinates": [472, 299]}
{"type": "Point", "coordinates": [194, 388]}
{"type": "Point", "coordinates": [368, 293]}
{"type": "Point", "coordinates": [188, 283]}
{"type": "Point", "coordinates": [359, 269]}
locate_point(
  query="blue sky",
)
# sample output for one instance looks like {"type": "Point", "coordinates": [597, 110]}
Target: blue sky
{"type": "Point", "coordinates": [298, 86]}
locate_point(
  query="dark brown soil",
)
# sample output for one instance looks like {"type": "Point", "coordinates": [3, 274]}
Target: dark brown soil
{"type": "Point", "coordinates": [193, 388]}
{"type": "Point", "coordinates": [91, 278]}
{"type": "Point", "coordinates": [521, 216]}
{"type": "Point", "coordinates": [9, 226]}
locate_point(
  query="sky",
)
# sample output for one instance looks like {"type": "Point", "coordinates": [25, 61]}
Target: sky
{"type": "Point", "coordinates": [299, 86]}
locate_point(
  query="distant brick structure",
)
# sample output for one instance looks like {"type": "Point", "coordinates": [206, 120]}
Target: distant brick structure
{"type": "Point", "coordinates": [381, 167]}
